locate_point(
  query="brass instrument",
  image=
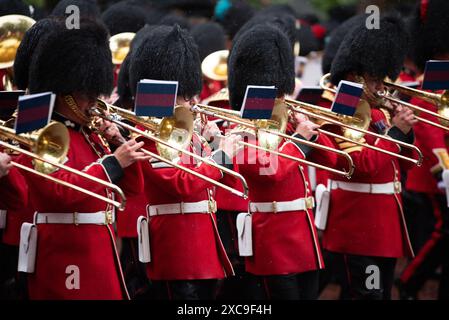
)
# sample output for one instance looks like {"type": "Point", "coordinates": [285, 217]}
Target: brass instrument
{"type": "Point", "coordinates": [50, 143]}
{"type": "Point", "coordinates": [358, 123]}
{"type": "Point", "coordinates": [50, 146]}
{"type": "Point", "coordinates": [171, 136]}
{"type": "Point", "coordinates": [215, 65]}
{"type": "Point", "coordinates": [441, 101]}
{"type": "Point", "coordinates": [270, 132]}
{"type": "Point", "coordinates": [120, 44]}
{"type": "Point", "coordinates": [12, 31]}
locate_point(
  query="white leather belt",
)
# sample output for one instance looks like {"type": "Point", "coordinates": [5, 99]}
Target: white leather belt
{"type": "Point", "coordinates": [101, 217]}
{"type": "Point", "coordinates": [282, 206]}
{"type": "Point", "coordinates": [204, 206]}
{"type": "Point", "coordinates": [375, 188]}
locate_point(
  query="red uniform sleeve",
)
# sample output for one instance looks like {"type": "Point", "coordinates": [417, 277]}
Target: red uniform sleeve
{"type": "Point", "coordinates": [176, 181]}
{"type": "Point", "coordinates": [13, 190]}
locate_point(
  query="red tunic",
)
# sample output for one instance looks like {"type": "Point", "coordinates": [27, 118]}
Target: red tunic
{"type": "Point", "coordinates": [431, 141]}
{"type": "Point", "coordinates": [369, 224]}
{"type": "Point", "coordinates": [285, 242]}
{"type": "Point", "coordinates": [91, 248]}
{"type": "Point", "coordinates": [183, 246]}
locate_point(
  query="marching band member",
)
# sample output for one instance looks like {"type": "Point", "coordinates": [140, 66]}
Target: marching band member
{"type": "Point", "coordinates": [76, 254]}
{"type": "Point", "coordinates": [286, 253]}
{"type": "Point", "coordinates": [365, 221]}
{"type": "Point", "coordinates": [427, 202]}
{"type": "Point", "coordinates": [187, 255]}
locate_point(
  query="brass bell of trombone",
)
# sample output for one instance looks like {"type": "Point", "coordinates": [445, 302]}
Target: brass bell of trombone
{"type": "Point", "coordinates": [12, 31]}
{"type": "Point", "coordinates": [50, 143]}
{"type": "Point", "coordinates": [215, 65]}
{"type": "Point", "coordinates": [119, 44]}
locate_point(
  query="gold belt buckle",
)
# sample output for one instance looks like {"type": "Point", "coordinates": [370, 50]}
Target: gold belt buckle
{"type": "Point", "coordinates": [275, 206]}
{"type": "Point", "coordinates": [75, 218]}
{"type": "Point", "coordinates": [108, 217]}
{"type": "Point", "coordinates": [212, 206]}
{"type": "Point", "coordinates": [397, 187]}
{"type": "Point", "coordinates": [310, 202]}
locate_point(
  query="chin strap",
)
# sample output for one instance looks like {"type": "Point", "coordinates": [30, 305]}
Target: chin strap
{"type": "Point", "coordinates": [71, 103]}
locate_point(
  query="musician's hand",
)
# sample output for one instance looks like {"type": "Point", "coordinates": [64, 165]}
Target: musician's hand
{"type": "Point", "coordinates": [404, 119]}
{"type": "Point", "coordinates": [110, 132]}
{"type": "Point", "coordinates": [230, 145]}
{"type": "Point", "coordinates": [5, 164]}
{"type": "Point", "coordinates": [305, 127]}
{"type": "Point", "coordinates": [128, 153]}
{"type": "Point", "coordinates": [210, 131]}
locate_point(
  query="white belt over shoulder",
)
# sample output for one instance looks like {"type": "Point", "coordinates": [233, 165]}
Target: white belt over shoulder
{"type": "Point", "coordinates": [101, 217]}
{"type": "Point", "coordinates": [374, 188]}
{"type": "Point", "coordinates": [283, 206]}
{"type": "Point", "coordinates": [205, 206]}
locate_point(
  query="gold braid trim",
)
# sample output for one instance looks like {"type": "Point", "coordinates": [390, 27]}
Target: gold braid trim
{"type": "Point", "coordinates": [74, 107]}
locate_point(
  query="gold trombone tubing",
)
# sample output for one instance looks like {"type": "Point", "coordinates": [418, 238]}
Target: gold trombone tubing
{"type": "Point", "coordinates": [236, 192]}
{"type": "Point", "coordinates": [219, 113]}
{"type": "Point", "coordinates": [119, 204]}
{"type": "Point", "coordinates": [296, 107]}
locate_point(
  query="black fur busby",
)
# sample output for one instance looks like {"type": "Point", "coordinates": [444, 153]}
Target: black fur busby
{"type": "Point", "coordinates": [307, 40]}
{"type": "Point", "coordinates": [283, 21]}
{"type": "Point", "coordinates": [260, 56]}
{"type": "Point", "coordinates": [167, 53]}
{"type": "Point", "coordinates": [73, 60]}
{"type": "Point", "coordinates": [14, 7]}
{"type": "Point", "coordinates": [123, 88]}
{"type": "Point", "coordinates": [209, 37]}
{"type": "Point", "coordinates": [375, 52]}
{"type": "Point", "coordinates": [88, 8]}
{"type": "Point", "coordinates": [123, 17]}
{"type": "Point", "coordinates": [191, 8]}
{"type": "Point", "coordinates": [429, 30]}
{"type": "Point", "coordinates": [336, 37]}
{"type": "Point", "coordinates": [27, 47]}
{"type": "Point", "coordinates": [237, 15]}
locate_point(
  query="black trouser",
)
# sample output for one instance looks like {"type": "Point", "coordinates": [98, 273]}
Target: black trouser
{"type": "Point", "coordinates": [12, 284]}
{"type": "Point", "coordinates": [136, 280]}
{"type": "Point", "coordinates": [236, 287]}
{"type": "Point", "coordinates": [297, 286]}
{"type": "Point", "coordinates": [335, 272]}
{"type": "Point", "coordinates": [368, 278]}
{"type": "Point", "coordinates": [434, 252]}
{"type": "Point", "coordinates": [185, 290]}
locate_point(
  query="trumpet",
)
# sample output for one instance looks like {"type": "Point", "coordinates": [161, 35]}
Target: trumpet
{"type": "Point", "coordinates": [359, 123]}
{"type": "Point", "coordinates": [274, 128]}
{"type": "Point", "coordinates": [173, 135]}
{"type": "Point", "coordinates": [441, 101]}
{"type": "Point", "coordinates": [50, 147]}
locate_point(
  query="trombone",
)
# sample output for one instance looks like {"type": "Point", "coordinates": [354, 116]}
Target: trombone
{"type": "Point", "coordinates": [165, 129]}
{"type": "Point", "coordinates": [50, 146]}
{"type": "Point", "coordinates": [441, 101]}
{"type": "Point", "coordinates": [350, 123]}
{"type": "Point", "coordinates": [281, 115]}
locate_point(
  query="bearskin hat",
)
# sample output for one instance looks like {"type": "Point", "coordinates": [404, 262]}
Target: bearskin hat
{"type": "Point", "coordinates": [307, 40]}
{"type": "Point", "coordinates": [235, 17]}
{"type": "Point", "coordinates": [335, 39]}
{"type": "Point", "coordinates": [283, 21]}
{"type": "Point", "coordinates": [73, 60]}
{"type": "Point", "coordinates": [429, 28]}
{"type": "Point", "coordinates": [191, 8]}
{"type": "Point", "coordinates": [261, 56]}
{"type": "Point", "coordinates": [209, 37]}
{"type": "Point", "coordinates": [28, 45]}
{"type": "Point", "coordinates": [14, 7]}
{"type": "Point", "coordinates": [167, 53]}
{"type": "Point", "coordinates": [123, 17]}
{"type": "Point", "coordinates": [88, 8]}
{"type": "Point", "coordinates": [376, 52]}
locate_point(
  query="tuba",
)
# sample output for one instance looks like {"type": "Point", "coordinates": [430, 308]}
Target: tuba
{"type": "Point", "coordinates": [215, 65]}
{"type": "Point", "coordinates": [120, 44]}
